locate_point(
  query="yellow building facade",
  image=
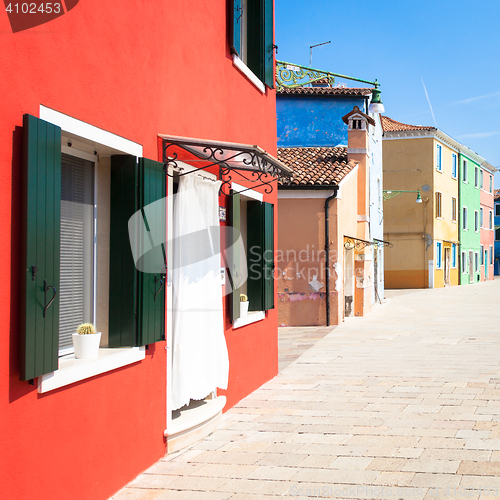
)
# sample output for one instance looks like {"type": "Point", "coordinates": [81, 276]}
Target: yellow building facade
{"type": "Point", "coordinates": [421, 222]}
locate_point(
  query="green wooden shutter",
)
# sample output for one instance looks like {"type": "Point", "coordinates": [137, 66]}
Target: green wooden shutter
{"type": "Point", "coordinates": [124, 203]}
{"type": "Point", "coordinates": [40, 248]}
{"type": "Point", "coordinates": [234, 259]}
{"type": "Point", "coordinates": [268, 42]}
{"type": "Point", "coordinates": [237, 19]}
{"type": "Point", "coordinates": [151, 285]}
{"type": "Point", "coordinates": [135, 317]}
{"type": "Point", "coordinates": [268, 245]}
{"type": "Point", "coordinates": [260, 248]}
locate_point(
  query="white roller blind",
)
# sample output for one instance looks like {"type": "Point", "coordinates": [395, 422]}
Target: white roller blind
{"type": "Point", "coordinates": [77, 247]}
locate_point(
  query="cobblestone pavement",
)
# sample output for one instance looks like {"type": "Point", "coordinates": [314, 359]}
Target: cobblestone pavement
{"type": "Point", "coordinates": [404, 403]}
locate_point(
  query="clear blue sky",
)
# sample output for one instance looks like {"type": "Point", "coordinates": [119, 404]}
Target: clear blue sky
{"type": "Point", "coordinates": [453, 46]}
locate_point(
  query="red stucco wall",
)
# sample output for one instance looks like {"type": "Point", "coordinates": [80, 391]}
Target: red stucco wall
{"type": "Point", "coordinates": [135, 69]}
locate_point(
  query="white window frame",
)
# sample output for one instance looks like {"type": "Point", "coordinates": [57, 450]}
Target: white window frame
{"type": "Point", "coordinates": [491, 219]}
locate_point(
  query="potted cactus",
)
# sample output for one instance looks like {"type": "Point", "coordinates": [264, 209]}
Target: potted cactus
{"type": "Point", "coordinates": [243, 305]}
{"type": "Point", "coordinates": [86, 341]}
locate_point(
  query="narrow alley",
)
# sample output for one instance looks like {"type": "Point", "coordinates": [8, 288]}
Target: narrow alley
{"type": "Point", "coordinates": [403, 403]}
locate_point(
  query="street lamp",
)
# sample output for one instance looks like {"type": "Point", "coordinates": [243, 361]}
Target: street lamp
{"type": "Point", "coordinates": [390, 194]}
{"type": "Point", "coordinates": [376, 105]}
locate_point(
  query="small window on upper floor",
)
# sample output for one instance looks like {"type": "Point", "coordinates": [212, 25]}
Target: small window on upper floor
{"type": "Point", "coordinates": [439, 204]}
{"type": "Point", "coordinates": [252, 36]}
{"type": "Point", "coordinates": [439, 166]}
{"type": "Point", "coordinates": [476, 177]}
{"type": "Point", "coordinates": [481, 183]}
{"type": "Point", "coordinates": [464, 170]}
{"type": "Point", "coordinates": [497, 208]}
{"type": "Point", "coordinates": [454, 167]}
{"type": "Point", "coordinates": [491, 184]}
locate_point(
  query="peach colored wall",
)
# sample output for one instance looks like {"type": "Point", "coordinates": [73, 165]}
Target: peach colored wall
{"type": "Point", "coordinates": [301, 256]}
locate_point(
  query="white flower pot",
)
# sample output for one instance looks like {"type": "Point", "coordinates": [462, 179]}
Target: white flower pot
{"type": "Point", "coordinates": [244, 309]}
{"type": "Point", "coordinates": [86, 346]}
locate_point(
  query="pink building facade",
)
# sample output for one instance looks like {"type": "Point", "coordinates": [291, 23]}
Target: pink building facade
{"type": "Point", "coordinates": [486, 218]}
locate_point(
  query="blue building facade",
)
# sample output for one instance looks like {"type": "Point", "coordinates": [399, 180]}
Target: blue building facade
{"type": "Point", "coordinates": [312, 117]}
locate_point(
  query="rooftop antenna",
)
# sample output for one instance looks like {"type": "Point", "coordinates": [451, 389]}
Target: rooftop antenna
{"type": "Point", "coordinates": [311, 51]}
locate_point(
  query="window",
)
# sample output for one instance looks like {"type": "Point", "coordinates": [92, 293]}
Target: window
{"type": "Point", "coordinates": [454, 165]}
{"type": "Point", "coordinates": [491, 184]}
{"type": "Point", "coordinates": [482, 255]}
{"type": "Point", "coordinates": [481, 182]}
{"type": "Point", "coordinates": [497, 234]}
{"type": "Point", "coordinates": [491, 255]}
{"type": "Point", "coordinates": [439, 165]}
{"type": "Point", "coordinates": [497, 209]}
{"type": "Point", "coordinates": [59, 249]}
{"type": "Point", "coordinates": [439, 254]}
{"type": "Point", "coordinates": [491, 220]}
{"type": "Point", "coordinates": [439, 204]}
{"type": "Point", "coordinates": [476, 221]}
{"type": "Point", "coordinates": [464, 171]}
{"type": "Point", "coordinates": [77, 248]}
{"type": "Point", "coordinates": [476, 262]}
{"type": "Point", "coordinates": [464, 218]}
{"type": "Point", "coordinates": [253, 37]}
{"type": "Point", "coordinates": [454, 209]}
{"type": "Point", "coordinates": [481, 217]}
{"type": "Point", "coordinates": [476, 177]}
{"type": "Point", "coordinates": [454, 255]}
{"type": "Point", "coordinates": [255, 220]}
{"type": "Point", "coordinates": [464, 262]}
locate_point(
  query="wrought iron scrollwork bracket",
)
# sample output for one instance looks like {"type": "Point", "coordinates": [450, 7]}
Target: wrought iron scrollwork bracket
{"type": "Point", "coordinates": [254, 167]}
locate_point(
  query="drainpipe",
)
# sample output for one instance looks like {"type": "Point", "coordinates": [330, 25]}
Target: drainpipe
{"type": "Point", "coordinates": [327, 251]}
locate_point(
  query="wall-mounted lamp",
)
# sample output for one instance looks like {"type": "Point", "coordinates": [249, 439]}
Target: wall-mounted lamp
{"type": "Point", "coordinates": [390, 194]}
{"type": "Point", "coordinates": [376, 105]}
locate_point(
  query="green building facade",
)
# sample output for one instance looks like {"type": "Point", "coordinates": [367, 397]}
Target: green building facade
{"type": "Point", "coordinates": [469, 224]}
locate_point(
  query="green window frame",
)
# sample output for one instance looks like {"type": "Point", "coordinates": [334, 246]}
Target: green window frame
{"type": "Point", "coordinates": [252, 36]}
{"type": "Point", "coordinates": [41, 221]}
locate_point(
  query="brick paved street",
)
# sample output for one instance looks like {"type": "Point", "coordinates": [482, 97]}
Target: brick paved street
{"type": "Point", "coordinates": [404, 403]}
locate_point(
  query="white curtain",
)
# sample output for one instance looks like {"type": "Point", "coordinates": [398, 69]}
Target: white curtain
{"type": "Point", "coordinates": [200, 360]}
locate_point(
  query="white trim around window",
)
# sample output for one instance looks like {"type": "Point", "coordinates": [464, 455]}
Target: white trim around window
{"type": "Point", "coordinates": [239, 64]}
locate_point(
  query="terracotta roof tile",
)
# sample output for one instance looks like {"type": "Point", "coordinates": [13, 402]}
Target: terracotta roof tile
{"type": "Point", "coordinates": [349, 91]}
{"type": "Point", "coordinates": [390, 125]}
{"type": "Point", "coordinates": [496, 194]}
{"type": "Point", "coordinates": [316, 166]}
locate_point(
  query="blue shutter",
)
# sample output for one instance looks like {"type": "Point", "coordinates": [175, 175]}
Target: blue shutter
{"type": "Point", "coordinates": [268, 42]}
{"type": "Point", "coordinates": [237, 18]}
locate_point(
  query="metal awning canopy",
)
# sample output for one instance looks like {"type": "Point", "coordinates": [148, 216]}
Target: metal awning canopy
{"type": "Point", "coordinates": [247, 162]}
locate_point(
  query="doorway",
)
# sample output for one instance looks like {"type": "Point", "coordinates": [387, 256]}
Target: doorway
{"type": "Point", "coordinates": [348, 282]}
{"type": "Point", "coordinates": [447, 260]}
